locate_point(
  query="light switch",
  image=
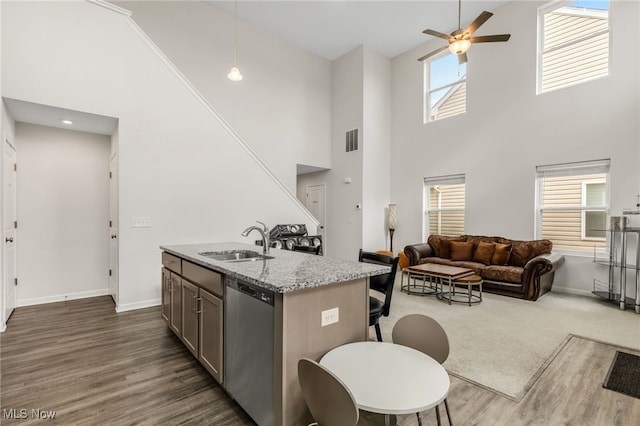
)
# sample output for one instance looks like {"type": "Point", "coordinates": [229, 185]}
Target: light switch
{"type": "Point", "coordinates": [141, 222]}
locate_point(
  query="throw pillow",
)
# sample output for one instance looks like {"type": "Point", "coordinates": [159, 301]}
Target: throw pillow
{"type": "Point", "coordinates": [484, 252]}
{"type": "Point", "coordinates": [501, 254]}
{"type": "Point", "coordinates": [445, 249]}
{"type": "Point", "coordinates": [461, 251]}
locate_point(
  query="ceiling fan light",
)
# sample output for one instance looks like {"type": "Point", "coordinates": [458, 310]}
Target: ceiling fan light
{"type": "Point", "coordinates": [234, 74]}
{"type": "Point", "coordinates": [458, 47]}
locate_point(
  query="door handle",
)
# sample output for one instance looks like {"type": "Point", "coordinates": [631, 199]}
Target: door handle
{"type": "Point", "coordinates": [8, 240]}
{"type": "Point", "coordinates": [113, 236]}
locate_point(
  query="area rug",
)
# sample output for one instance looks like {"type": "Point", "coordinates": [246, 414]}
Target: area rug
{"type": "Point", "coordinates": [624, 374]}
{"type": "Point", "coordinates": [504, 344]}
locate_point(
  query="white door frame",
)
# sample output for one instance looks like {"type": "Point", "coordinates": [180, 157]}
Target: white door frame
{"type": "Point", "coordinates": [113, 228]}
{"type": "Point", "coordinates": [322, 226]}
{"type": "Point", "coordinates": [8, 291]}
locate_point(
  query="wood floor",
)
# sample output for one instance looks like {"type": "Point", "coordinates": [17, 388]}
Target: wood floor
{"type": "Point", "coordinates": [93, 366]}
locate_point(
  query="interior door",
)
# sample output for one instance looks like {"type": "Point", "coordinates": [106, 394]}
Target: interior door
{"type": "Point", "coordinates": [113, 228]}
{"type": "Point", "coordinates": [9, 226]}
{"type": "Point", "coordinates": [316, 205]}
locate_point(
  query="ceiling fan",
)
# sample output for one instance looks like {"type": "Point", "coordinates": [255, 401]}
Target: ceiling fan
{"type": "Point", "coordinates": [460, 41]}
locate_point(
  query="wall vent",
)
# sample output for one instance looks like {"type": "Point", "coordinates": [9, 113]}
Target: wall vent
{"type": "Point", "coordinates": [352, 140]}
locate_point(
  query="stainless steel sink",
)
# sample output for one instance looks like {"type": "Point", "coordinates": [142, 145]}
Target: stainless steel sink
{"type": "Point", "coordinates": [235, 255]}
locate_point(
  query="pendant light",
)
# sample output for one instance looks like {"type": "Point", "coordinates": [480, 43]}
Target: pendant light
{"type": "Point", "coordinates": [234, 74]}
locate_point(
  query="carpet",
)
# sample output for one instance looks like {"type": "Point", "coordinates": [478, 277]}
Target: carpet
{"type": "Point", "coordinates": [504, 344]}
{"type": "Point", "coordinates": [624, 374]}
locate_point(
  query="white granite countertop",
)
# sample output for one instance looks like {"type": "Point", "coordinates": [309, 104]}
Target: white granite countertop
{"type": "Point", "coordinates": [287, 271]}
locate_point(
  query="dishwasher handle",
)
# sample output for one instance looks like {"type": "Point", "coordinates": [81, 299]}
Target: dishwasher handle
{"type": "Point", "coordinates": [247, 290]}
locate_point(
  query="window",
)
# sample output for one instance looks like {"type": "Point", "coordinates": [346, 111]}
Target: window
{"type": "Point", "coordinates": [594, 222]}
{"type": "Point", "coordinates": [572, 205]}
{"type": "Point", "coordinates": [574, 43]}
{"type": "Point", "coordinates": [447, 87]}
{"type": "Point", "coordinates": [444, 205]}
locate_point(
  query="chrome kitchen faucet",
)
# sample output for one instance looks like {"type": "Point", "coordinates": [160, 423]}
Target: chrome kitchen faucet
{"type": "Point", "coordinates": [264, 231]}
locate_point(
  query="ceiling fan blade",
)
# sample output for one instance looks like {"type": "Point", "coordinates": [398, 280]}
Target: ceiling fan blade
{"type": "Point", "coordinates": [462, 58]}
{"type": "Point", "coordinates": [437, 34]}
{"type": "Point", "coordinates": [435, 52]}
{"type": "Point", "coordinates": [481, 19]}
{"type": "Point", "coordinates": [490, 38]}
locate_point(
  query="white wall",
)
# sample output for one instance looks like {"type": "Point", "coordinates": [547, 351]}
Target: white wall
{"type": "Point", "coordinates": [63, 211]}
{"type": "Point", "coordinates": [376, 150]}
{"type": "Point", "coordinates": [282, 106]}
{"type": "Point", "coordinates": [508, 130]}
{"type": "Point", "coordinates": [361, 100]}
{"type": "Point", "coordinates": [178, 165]}
{"type": "Point", "coordinates": [344, 221]}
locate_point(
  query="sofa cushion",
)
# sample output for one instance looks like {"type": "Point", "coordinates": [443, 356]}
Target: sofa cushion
{"type": "Point", "coordinates": [476, 239]}
{"type": "Point", "coordinates": [475, 266]}
{"type": "Point", "coordinates": [461, 250]}
{"type": "Point", "coordinates": [484, 252]}
{"type": "Point", "coordinates": [445, 249]}
{"type": "Point", "coordinates": [435, 242]}
{"type": "Point", "coordinates": [524, 251]}
{"type": "Point", "coordinates": [512, 274]}
{"type": "Point", "coordinates": [438, 260]}
{"type": "Point", "coordinates": [501, 254]}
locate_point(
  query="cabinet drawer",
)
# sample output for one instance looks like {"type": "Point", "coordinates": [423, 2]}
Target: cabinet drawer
{"type": "Point", "coordinates": [172, 262]}
{"type": "Point", "coordinates": [205, 278]}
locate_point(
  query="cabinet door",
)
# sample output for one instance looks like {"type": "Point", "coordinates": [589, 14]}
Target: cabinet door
{"type": "Point", "coordinates": [211, 327]}
{"type": "Point", "coordinates": [190, 317]}
{"type": "Point", "coordinates": [176, 304]}
{"type": "Point", "coordinates": [166, 295]}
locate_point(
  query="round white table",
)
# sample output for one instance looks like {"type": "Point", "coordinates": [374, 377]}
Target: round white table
{"type": "Point", "coordinates": [387, 378]}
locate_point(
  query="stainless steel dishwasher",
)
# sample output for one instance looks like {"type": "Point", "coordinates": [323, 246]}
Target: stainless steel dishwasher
{"type": "Point", "coordinates": [248, 348]}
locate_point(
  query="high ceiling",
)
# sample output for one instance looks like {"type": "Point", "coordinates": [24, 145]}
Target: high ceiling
{"type": "Point", "coordinates": [331, 28]}
{"type": "Point", "coordinates": [328, 28]}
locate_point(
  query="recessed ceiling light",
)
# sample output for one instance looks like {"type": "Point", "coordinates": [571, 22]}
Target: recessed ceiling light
{"type": "Point", "coordinates": [66, 121]}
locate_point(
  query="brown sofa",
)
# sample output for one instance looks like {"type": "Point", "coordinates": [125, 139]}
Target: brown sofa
{"type": "Point", "coordinates": [523, 269]}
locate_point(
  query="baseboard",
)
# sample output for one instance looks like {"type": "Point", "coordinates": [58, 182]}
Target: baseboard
{"type": "Point", "coordinates": [574, 291]}
{"type": "Point", "coordinates": [124, 307]}
{"type": "Point", "coordinates": [62, 297]}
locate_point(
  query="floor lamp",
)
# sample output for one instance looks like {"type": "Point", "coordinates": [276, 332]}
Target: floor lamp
{"type": "Point", "coordinates": [392, 221]}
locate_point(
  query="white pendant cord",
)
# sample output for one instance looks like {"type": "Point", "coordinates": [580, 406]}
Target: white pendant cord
{"type": "Point", "coordinates": [234, 74]}
{"type": "Point", "coordinates": [235, 33]}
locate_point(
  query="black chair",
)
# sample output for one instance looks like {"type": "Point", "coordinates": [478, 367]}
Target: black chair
{"type": "Point", "coordinates": [308, 249]}
{"type": "Point", "coordinates": [380, 283]}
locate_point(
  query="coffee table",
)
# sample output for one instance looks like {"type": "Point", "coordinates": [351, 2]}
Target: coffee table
{"type": "Point", "coordinates": [434, 274]}
{"type": "Point", "coordinates": [469, 282]}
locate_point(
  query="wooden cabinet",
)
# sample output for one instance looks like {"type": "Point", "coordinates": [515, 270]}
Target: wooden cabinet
{"type": "Point", "coordinates": [175, 323]}
{"type": "Point", "coordinates": [172, 301]}
{"type": "Point", "coordinates": [210, 351]}
{"type": "Point", "coordinates": [190, 317]}
{"type": "Point", "coordinates": [166, 295]}
{"type": "Point", "coordinates": [172, 292]}
{"type": "Point", "coordinates": [193, 308]}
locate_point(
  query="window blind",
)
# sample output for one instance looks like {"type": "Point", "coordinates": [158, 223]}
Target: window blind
{"type": "Point", "coordinates": [445, 180]}
{"type": "Point", "coordinates": [574, 169]}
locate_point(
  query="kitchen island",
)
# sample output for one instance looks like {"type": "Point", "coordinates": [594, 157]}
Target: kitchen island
{"type": "Point", "coordinates": [249, 321]}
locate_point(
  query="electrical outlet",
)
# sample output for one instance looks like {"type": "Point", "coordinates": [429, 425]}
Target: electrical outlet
{"type": "Point", "coordinates": [330, 316]}
{"type": "Point", "coordinates": [141, 222]}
